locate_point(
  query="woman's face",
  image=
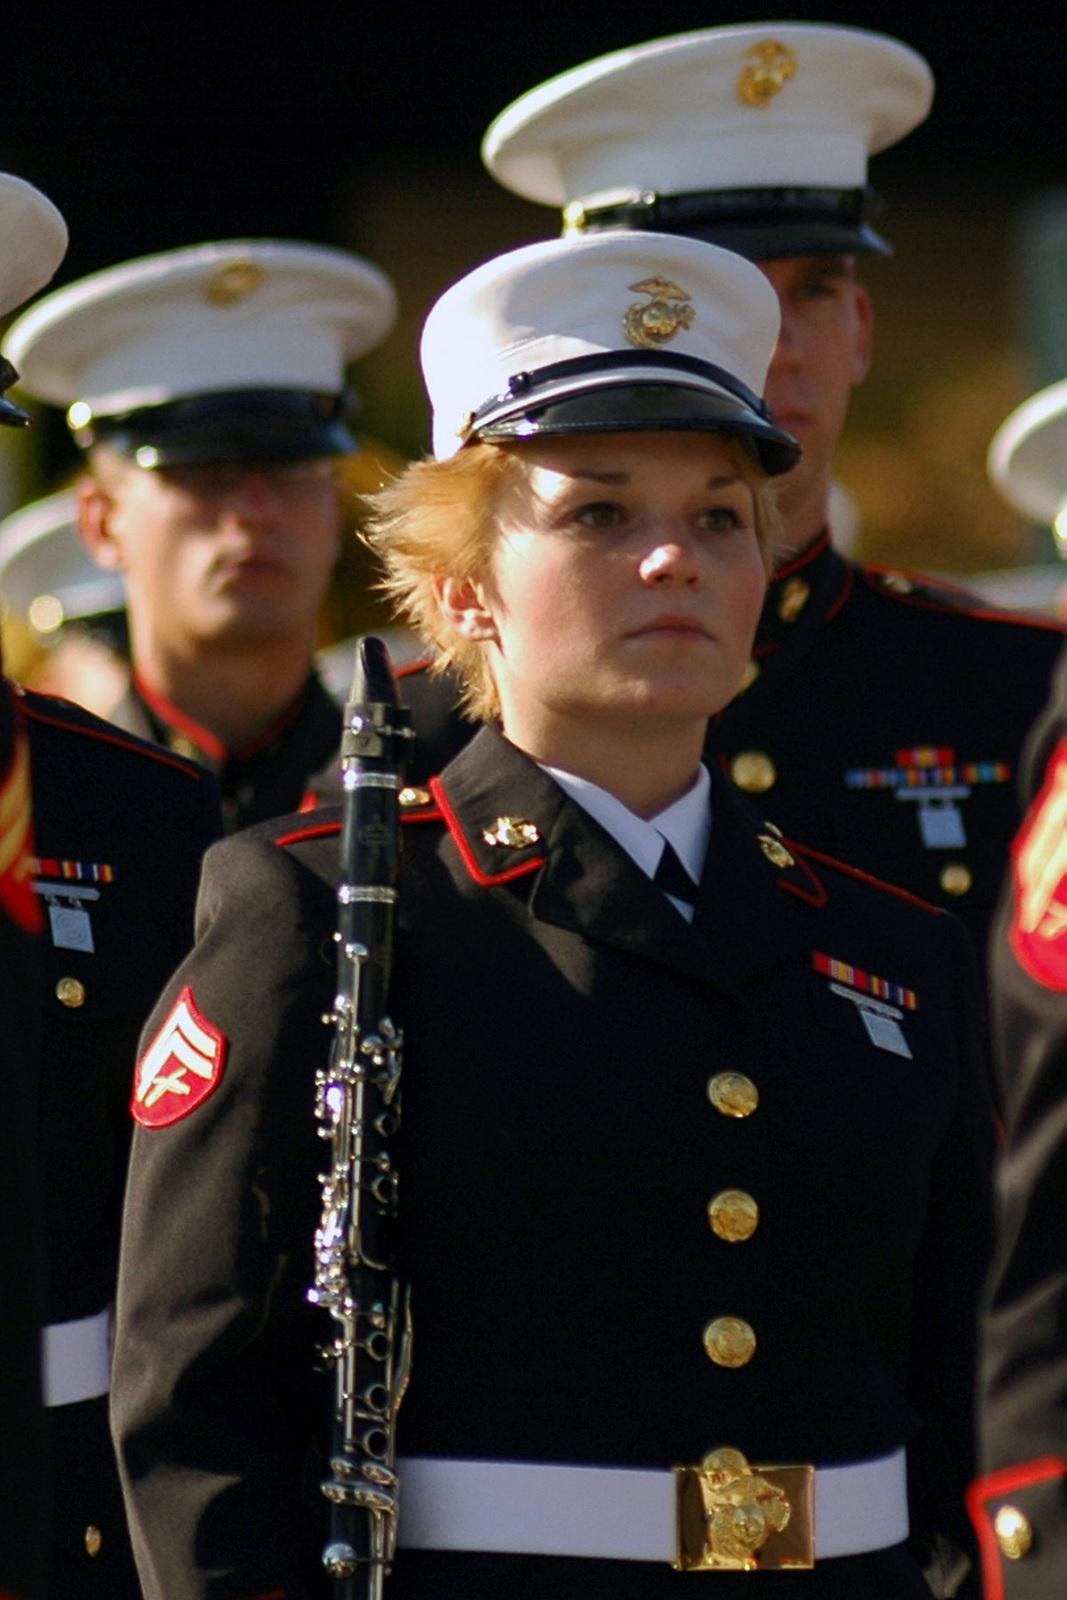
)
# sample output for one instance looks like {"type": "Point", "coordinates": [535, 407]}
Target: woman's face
{"type": "Point", "coordinates": [626, 581]}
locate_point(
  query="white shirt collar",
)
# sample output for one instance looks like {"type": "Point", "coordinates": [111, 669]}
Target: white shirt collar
{"type": "Point", "coordinates": [686, 823]}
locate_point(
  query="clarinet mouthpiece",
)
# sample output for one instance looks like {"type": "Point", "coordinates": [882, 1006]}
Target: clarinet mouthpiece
{"type": "Point", "coordinates": [372, 677]}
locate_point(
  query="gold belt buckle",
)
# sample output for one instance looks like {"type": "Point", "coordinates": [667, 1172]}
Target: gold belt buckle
{"type": "Point", "coordinates": [733, 1517]}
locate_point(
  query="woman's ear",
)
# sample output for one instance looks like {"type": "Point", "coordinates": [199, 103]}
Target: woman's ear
{"type": "Point", "coordinates": [465, 607]}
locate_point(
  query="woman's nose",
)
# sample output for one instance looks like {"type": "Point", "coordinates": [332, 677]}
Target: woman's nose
{"type": "Point", "coordinates": [672, 562]}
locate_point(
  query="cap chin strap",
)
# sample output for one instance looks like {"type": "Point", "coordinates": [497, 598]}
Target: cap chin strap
{"type": "Point", "coordinates": [524, 387]}
{"type": "Point", "coordinates": [647, 209]}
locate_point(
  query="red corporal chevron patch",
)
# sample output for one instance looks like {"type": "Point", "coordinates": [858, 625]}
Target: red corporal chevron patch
{"type": "Point", "coordinates": [1038, 932]}
{"type": "Point", "coordinates": [180, 1067]}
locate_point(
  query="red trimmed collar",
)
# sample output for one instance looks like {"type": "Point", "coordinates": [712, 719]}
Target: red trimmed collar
{"type": "Point", "coordinates": [172, 716]}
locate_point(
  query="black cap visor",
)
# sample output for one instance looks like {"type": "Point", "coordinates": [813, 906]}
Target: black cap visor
{"type": "Point", "coordinates": [648, 408]}
{"type": "Point", "coordinates": [11, 415]}
{"type": "Point", "coordinates": [237, 425]}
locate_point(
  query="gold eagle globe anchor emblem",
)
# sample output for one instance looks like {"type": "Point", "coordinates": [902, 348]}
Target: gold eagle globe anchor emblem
{"type": "Point", "coordinates": [772, 65]}
{"type": "Point", "coordinates": [667, 312]}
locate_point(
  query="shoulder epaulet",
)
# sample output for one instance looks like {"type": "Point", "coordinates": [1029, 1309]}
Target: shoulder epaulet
{"type": "Point", "coordinates": [934, 594]}
{"type": "Point", "coordinates": [416, 805]}
{"type": "Point", "coordinates": [809, 853]}
{"type": "Point", "coordinates": [51, 712]}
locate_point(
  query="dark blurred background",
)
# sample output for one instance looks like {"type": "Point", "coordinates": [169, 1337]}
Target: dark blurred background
{"type": "Point", "coordinates": [359, 125]}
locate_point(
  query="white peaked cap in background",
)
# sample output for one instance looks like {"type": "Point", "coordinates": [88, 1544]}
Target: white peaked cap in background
{"type": "Point", "coordinates": [241, 314]}
{"type": "Point", "coordinates": [46, 574]}
{"type": "Point", "coordinates": [1028, 458]}
{"type": "Point", "coordinates": [34, 241]}
{"type": "Point", "coordinates": [759, 105]}
{"type": "Point", "coordinates": [598, 316]}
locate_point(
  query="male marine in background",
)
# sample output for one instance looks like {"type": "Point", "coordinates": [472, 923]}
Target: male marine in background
{"type": "Point", "coordinates": [35, 241]}
{"type": "Point", "coordinates": [207, 388]}
{"type": "Point", "coordinates": [880, 719]}
{"type": "Point", "coordinates": [96, 908]}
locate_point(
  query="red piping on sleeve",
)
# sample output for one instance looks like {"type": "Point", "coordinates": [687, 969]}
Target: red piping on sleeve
{"type": "Point", "coordinates": [995, 1486]}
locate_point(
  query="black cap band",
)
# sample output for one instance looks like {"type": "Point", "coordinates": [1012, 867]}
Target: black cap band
{"type": "Point", "coordinates": [525, 387]}
{"type": "Point", "coordinates": [757, 223]}
{"type": "Point", "coordinates": [231, 425]}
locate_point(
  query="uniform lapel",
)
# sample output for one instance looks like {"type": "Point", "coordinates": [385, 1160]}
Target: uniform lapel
{"type": "Point", "coordinates": [511, 822]}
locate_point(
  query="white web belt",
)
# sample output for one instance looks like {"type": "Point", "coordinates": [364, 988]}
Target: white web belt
{"type": "Point", "coordinates": [617, 1513]}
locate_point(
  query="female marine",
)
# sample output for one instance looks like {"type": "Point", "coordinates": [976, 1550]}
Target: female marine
{"type": "Point", "coordinates": [694, 1157]}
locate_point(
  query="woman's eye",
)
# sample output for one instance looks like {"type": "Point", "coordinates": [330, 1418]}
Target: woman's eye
{"type": "Point", "coordinates": [720, 519]}
{"type": "Point", "coordinates": [601, 514]}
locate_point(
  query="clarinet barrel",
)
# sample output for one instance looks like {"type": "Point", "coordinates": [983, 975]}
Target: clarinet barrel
{"type": "Point", "coordinates": [357, 1108]}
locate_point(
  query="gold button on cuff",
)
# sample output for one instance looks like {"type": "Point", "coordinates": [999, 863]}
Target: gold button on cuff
{"type": "Point", "coordinates": [754, 771]}
{"type": "Point", "coordinates": [732, 1094]}
{"type": "Point", "coordinates": [749, 676]}
{"type": "Point", "coordinates": [956, 878]}
{"type": "Point", "coordinates": [733, 1215]}
{"type": "Point", "coordinates": [183, 746]}
{"type": "Point", "coordinates": [792, 599]}
{"type": "Point", "coordinates": [897, 583]}
{"type": "Point", "coordinates": [1015, 1536]}
{"type": "Point", "coordinates": [94, 1540]}
{"type": "Point", "coordinates": [730, 1342]}
{"type": "Point", "coordinates": [70, 992]}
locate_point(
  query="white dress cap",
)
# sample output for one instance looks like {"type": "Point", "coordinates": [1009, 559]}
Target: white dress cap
{"type": "Point", "coordinates": [46, 574]}
{"type": "Point", "coordinates": [762, 105]}
{"type": "Point", "coordinates": [242, 314]}
{"type": "Point", "coordinates": [607, 312]}
{"type": "Point", "coordinates": [34, 239]}
{"type": "Point", "coordinates": [1028, 458]}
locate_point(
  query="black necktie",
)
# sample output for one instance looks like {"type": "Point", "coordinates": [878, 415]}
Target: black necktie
{"type": "Point", "coordinates": [672, 878]}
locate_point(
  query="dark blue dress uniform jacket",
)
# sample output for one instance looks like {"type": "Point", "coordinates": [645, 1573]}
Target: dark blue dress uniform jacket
{"type": "Point", "coordinates": [559, 1152]}
{"type": "Point", "coordinates": [101, 800]}
{"type": "Point", "coordinates": [1020, 1505]}
{"type": "Point", "coordinates": [22, 1469]}
{"type": "Point", "coordinates": [882, 722]}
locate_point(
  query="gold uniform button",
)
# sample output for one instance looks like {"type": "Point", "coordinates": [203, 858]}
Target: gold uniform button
{"type": "Point", "coordinates": [732, 1094]}
{"type": "Point", "coordinates": [1014, 1534]}
{"type": "Point", "coordinates": [749, 676]}
{"type": "Point", "coordinates": [754, 771]}
{"type": "Point", "coordinates": [897, 583]}
{"type": "Point", "coordinates": [956, 878]}
{"type": "Point", "coordinates": [70, 992]}
{"type": "Point", "coordinates": [793, 598]}
{"type": "Point", "coordinates": [183, 747]}
{"type": "Point", "coordinates": [733, 1215]}
{"type": "Point", "coordinates": [730, 1342]}
{"type": "Point", "coordinates": [94, 1539]}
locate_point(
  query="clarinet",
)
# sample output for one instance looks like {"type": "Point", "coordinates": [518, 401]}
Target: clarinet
{"type": "Point", "coordinates": [357, 1109]}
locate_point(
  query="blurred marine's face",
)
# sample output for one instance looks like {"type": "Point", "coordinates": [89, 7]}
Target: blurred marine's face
{"type": "Point", "coordinates": [823, 352]}
{"type": "Point", "coordinates": [223, 553]}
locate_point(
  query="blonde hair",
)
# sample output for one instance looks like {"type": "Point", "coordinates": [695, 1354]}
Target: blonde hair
{"type": "Point", "coordinates": [439, 519]}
